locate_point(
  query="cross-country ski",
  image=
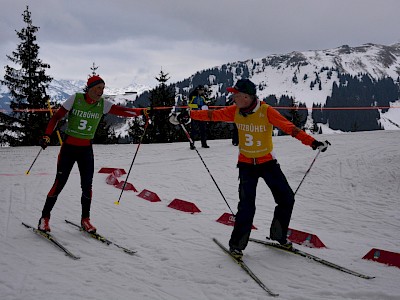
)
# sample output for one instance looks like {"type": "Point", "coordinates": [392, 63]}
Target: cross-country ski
{"type": "Point", "coordinates": [246, 268]}
{"type": "Point", "coordinates": [312, 257]}
{"type": "Point", "coordinates": [52, 239]}
{"type": "Point", "coordinates": [101, 238]}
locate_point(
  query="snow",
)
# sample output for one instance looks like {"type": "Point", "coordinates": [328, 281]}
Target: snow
{"type": "Point", "coordinates": [391, 119]}
{"type": "Point", "coordinates": [350, 200]}
{"type": "Point", "coordinates": [277, 75]}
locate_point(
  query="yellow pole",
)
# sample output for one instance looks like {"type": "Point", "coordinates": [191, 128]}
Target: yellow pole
{"type": "Point", "coordinates": [51, 114]}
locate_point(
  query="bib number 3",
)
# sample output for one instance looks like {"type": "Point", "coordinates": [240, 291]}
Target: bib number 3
{"type": "Point", "coordinates": [250, 141]}
{"type": "Point", "coordinates": [83, 125]}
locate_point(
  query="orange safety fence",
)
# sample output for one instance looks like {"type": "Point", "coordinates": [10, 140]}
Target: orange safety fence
{"type": "Point", "coordinates": [35, 110]}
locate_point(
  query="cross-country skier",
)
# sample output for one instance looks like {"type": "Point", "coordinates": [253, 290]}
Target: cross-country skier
{"type": "Point", "coordinates": [255, 121]}
{"type": "Point", "coordinates": [84, 113]}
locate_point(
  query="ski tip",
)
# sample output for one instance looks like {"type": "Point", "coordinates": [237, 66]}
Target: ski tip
{"type": "Point", "coordinates": [116, 202]}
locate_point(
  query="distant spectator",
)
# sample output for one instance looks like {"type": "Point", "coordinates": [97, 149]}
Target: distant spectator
{"type": "Point", "coordinates": [197, 101]}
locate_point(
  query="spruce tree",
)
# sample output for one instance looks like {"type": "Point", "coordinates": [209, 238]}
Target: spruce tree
{"type": "Point", "coordinates": [162, 131]}
{"type": "Point", "coordinates": [27, 85]}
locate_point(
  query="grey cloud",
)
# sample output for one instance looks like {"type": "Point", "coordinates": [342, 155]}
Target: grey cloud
{"type": "Point", "coordinates": [126, 36]}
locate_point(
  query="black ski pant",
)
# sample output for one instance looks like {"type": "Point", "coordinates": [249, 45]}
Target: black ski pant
{"type": "Point", "coordinates": [281, 191]}
{"type": "Point", "coordinates": [69, 154]}
{"type": "Point", "coordinates": [199, 128]}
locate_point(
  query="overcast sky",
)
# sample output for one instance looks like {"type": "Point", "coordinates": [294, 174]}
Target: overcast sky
{"type": "Point", "coordinates": [132, 40]}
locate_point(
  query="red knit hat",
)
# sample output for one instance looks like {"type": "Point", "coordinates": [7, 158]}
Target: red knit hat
{"type": "Point", "coordinates": [93, 81]}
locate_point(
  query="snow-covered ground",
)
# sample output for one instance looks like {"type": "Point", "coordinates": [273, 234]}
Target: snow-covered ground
{"type": "Point", "coordinates": [350, 200]}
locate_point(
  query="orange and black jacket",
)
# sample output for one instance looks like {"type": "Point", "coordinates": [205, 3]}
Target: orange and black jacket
{"type": "Point", "coordinates": [255, 130]}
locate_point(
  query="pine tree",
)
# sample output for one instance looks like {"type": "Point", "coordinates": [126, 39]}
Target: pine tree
{"type": "Point", "coordinates": [162, 131]}
{"type": "Point", "coordinates": [27, 85]}
{"type": "Point", "coordinates": [136, 130]}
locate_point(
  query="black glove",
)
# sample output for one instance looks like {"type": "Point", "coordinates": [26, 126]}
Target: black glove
{"type": "Point", "coordinates": [183, 117]}
{"type": "Point", "coordinates": [322, 146]}
{"type": "Point", "coordinates": [44, 141]}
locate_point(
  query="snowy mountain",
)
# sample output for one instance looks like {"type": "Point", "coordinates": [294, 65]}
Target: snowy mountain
{"type": "Point", "coordinates": [294, 73]}
{"type": "Point", "coordinates": [306, 76]}
{"type": "Point", "coordinates": [60, 89]}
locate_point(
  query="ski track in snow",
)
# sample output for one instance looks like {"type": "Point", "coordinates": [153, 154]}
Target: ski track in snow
{"type": "Point", "coordinates": [350, 200]}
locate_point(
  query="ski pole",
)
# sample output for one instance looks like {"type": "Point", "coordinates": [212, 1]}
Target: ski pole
{"type": "Point", "coordinates": [192, 144]}
{"type": "Point", "coordinates": [133, 160]}
{"type": "Point", "coordinates": [58, 134]}
{"type": "Point", "coordinates": [27, 172]}
{"type": "Point", "coordinates": [319, 151]}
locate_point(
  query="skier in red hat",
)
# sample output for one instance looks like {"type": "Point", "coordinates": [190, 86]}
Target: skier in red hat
{"type": "Point", "coordinates": [84, 113]}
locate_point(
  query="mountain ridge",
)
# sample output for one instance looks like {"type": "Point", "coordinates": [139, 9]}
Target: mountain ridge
{"type": "Point", "coordinates": [307, 76]}
{"type": "Point", "coordinates": [292, 74]}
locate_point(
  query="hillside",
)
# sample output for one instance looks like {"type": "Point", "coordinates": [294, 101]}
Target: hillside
{"type": "Point", "coordinates": [292, 74]}
{"type": "Point", "coordinates": [60, 89]}
{"type": "Point", "coordinates": [308, 77]}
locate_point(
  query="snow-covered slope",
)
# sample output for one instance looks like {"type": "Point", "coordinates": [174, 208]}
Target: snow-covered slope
{"type": "Point", "coordinates": [60, 89]}
{"type": "Point", "coordinates": [307, 76]}
{"type": "Point", "coordinates": [349, 199]}
{"type": "Point", "coordinates": [275, 74]}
